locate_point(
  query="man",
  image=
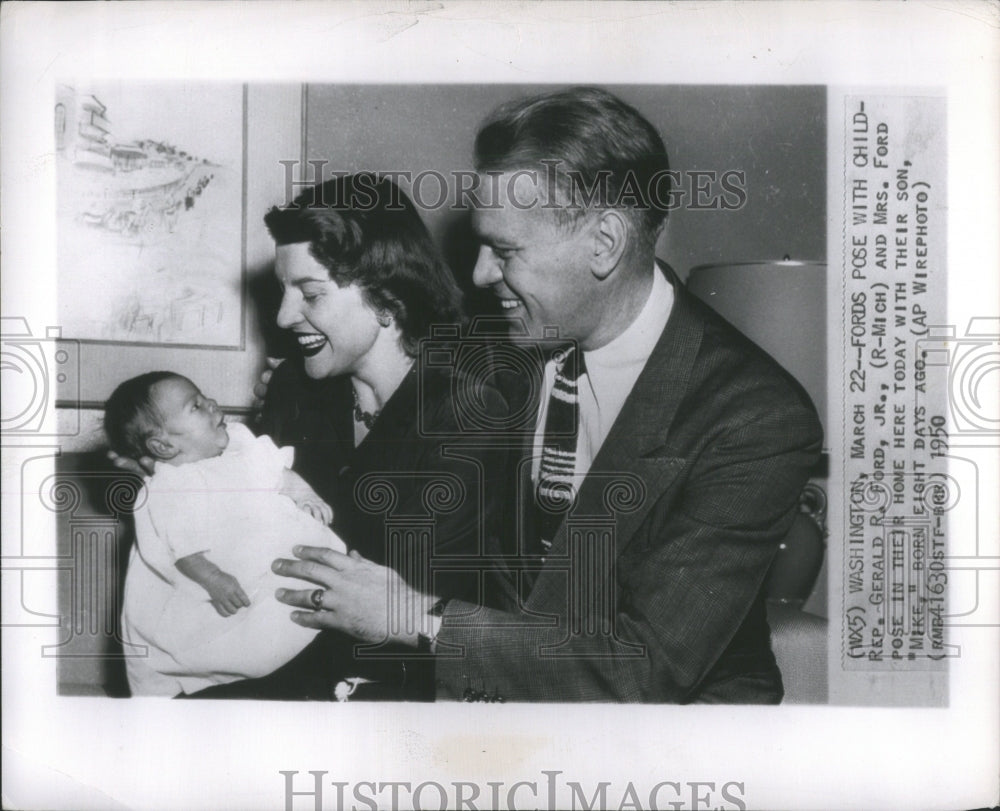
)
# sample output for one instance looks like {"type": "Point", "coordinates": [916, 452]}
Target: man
{"type": "Point", "coordinates": [653, 513]}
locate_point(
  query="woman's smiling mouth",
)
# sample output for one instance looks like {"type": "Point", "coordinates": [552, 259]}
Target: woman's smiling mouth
{"type": "Point", "coordinates": [311, 343]}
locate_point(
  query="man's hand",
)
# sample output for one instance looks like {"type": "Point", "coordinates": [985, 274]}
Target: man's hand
{"type": "Point", "coordinates": [143, 466]}
{"type": "Point", "coordinates": [356, 599]}
{"type": "Point", "coordinates": [227, 595]}
{"type": "Point", "coordinates": [260, 389]}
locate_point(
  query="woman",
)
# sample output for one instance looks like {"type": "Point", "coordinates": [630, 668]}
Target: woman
{"type": "Point", "coordinates": [376, 432]}
{"type": "Point", "coordinates": [362, 285]}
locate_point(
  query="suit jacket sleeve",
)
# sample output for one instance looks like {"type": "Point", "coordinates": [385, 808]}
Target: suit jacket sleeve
{"type": "Point", "coordinates": [683, 584]}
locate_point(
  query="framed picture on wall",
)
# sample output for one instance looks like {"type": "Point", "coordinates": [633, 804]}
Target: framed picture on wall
{"type": "Point", "coordinates": [150, 216]}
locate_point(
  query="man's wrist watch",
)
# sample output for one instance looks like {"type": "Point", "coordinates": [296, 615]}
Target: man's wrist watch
{"type": "Point", "coordinates": [427, 639]}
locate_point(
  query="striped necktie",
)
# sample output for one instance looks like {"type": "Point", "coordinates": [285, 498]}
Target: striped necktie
{"type": "Point", "coordinates": [555, 492]}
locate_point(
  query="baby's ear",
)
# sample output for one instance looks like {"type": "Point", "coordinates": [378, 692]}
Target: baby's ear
{"type": "Point", "coordinates": [161, 448]}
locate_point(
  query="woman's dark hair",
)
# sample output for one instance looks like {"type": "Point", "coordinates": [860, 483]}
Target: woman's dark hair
{"type": "Point", "coordinates": [130, 415]}
{"type": "Point", "coordinates": [364, 230]}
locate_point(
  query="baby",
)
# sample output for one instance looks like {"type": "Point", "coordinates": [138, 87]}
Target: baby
{"type": "Point", "coordinates": [219, 508]}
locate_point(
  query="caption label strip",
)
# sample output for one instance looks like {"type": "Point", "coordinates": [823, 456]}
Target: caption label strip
{"type": "Point", "coordinates": [895, 580]}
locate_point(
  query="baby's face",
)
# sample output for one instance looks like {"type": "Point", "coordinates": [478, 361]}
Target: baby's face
{"type": "Point", "coordinates": [192, 423]}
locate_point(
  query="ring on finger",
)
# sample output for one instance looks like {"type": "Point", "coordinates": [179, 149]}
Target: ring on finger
{"type": "Point", "coordinates": [316, 598]}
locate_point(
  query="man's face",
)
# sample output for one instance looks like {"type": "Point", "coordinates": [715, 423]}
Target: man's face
{"type": "Point", "coordinates": [537, 268]}
{"type": "Point", "coordinates": [192, 423]}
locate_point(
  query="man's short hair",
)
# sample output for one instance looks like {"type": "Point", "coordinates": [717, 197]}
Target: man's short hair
{"type": "Point", "coordinates": [604, 152]}
{"type": "Point", "coordinates": [131, 417]}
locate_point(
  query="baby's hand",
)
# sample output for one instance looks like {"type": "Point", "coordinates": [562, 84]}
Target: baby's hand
{"type": "Point", "coordinates": [316, 507]}
{"type": "Point", "coordinates": [227, 595]}
{"type": "Point", "coordinates": [305, 498]}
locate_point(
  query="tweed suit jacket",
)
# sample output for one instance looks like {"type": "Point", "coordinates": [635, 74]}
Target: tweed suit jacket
{"type": "Point", "coordinates": [651, 591]}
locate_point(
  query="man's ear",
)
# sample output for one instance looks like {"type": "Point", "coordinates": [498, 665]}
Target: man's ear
{"type": "Point", "coordinates": [161, 448]}
{"type": "Point", "coordinates": [611, 235]}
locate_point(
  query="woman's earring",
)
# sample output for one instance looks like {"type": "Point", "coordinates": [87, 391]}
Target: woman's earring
{"type": "Point", "coordinates": [384, 318]}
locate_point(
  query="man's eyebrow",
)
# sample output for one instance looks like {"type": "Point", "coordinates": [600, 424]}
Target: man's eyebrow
{"type": "Point", "coordinates": [298, 284]}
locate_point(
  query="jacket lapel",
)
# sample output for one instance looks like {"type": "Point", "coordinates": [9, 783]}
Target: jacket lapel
{"type": "Point", "coordinates": [636, 454]}
{"type": "Point", "coordinates": [519, 527]}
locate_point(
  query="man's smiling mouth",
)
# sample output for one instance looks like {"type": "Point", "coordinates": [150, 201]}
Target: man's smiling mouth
{"type": "Point", "coordinates": [310, 343]}
{"type": "Point", "coordinates": [510, 303]}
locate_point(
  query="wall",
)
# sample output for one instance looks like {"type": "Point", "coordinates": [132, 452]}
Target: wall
{"type": "Point", "coordinates": [777, 135]}
{"type": "Point", "coordinates": [274, 133]}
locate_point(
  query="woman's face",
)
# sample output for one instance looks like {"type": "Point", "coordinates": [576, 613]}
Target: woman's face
{"type": "Point", "coordinates": [334, 326]}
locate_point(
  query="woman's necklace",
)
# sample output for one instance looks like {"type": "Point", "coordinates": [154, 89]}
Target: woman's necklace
{"type": "Point", "coordinates": [366, 418]}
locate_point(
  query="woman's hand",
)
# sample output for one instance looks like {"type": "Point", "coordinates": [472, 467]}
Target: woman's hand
{"type": "Point", "coordinates": [143, 466]}
{"type": "Point", "coordinates": [356, 596]}
{"type": "Point", "coordinates": [260, 388]}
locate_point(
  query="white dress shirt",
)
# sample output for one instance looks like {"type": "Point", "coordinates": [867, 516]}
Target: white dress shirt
{"type": "Point", "coordinates": [610, 375]}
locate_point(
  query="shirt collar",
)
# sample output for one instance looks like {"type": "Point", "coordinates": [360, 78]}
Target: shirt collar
{"type": "Point", "coordinates": [636, 343]}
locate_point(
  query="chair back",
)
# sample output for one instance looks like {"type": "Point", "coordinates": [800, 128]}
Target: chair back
{"type": "Point", "coordinates": [799, 639]}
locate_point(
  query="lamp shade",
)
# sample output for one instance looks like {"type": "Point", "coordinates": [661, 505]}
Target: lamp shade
{"type": "Point", "coordinates": [780, 306]}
